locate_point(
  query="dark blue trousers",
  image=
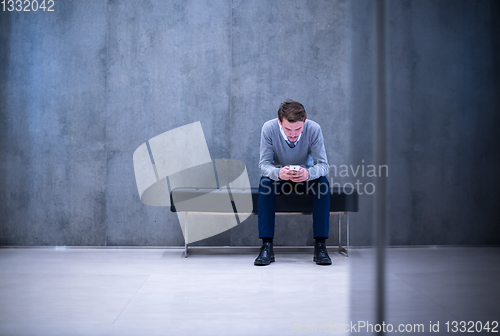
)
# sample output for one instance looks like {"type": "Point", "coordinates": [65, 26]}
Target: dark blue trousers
{"type": "Point", "coordinates": [269, 189]}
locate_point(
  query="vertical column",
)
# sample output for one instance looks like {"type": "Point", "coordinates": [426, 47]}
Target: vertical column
{"type": "Point", "coordinates": [380, 159]}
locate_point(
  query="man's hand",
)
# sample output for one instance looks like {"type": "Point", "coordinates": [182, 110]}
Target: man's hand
{"type": "Point", "coordinates": [286, 174]}
{"type": "Point", "coordinates": [295, 176]}
{"type": "Point", "coordinates": [301, 175]}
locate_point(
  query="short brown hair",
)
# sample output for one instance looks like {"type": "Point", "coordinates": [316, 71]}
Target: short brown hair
{"type": "Point", "coordinates": [292, 111]}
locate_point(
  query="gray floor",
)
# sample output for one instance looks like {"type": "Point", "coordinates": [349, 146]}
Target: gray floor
{"type": "Point", "coordinates": [48, 291]}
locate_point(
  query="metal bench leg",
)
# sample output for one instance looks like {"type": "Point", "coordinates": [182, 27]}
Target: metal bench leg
{"type": "Point", "coordinates": [340, 234]}
{"type": "Point", "coordinates": [347, 243]}
{"type": "Point", "coordinates": [186, 236]}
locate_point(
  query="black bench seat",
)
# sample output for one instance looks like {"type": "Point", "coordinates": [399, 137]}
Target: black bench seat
{"type": "Point", "coordinates": [342, 201]}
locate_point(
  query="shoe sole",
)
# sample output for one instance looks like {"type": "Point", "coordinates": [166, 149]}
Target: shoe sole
{"type": "Point", "coordinates": [322, 263]}
{"type": "Point", "coordinates": [272, 260]}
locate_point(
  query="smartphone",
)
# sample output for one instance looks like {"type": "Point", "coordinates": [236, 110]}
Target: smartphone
{"type": "Point", "coordinates": [294, 168]}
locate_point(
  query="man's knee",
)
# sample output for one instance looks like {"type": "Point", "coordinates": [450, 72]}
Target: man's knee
{"type": "Point", "coordinates": [265, 186]}
{"type": "Point", "coordinates": [319, 186]}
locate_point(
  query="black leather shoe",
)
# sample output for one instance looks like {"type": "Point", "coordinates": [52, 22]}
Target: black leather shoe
{"type": "Point", "coordinates": [266, 255]}
{"type": "Point", "coordinates": [321, 256]}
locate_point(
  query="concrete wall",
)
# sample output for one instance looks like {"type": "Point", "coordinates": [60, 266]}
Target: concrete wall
{"type": "Point", "coordinates": [82, 87]}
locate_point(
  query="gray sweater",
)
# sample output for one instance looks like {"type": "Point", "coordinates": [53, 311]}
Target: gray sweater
{"type": "Point", "coordinates": [309, 151]}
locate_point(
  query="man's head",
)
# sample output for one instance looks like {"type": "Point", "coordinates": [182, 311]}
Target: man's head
{"type": "Point", "coordinates": [292, 116]}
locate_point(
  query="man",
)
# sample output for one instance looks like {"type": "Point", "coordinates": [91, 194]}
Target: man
{"type": "Point", "coordinates": [292, 139]}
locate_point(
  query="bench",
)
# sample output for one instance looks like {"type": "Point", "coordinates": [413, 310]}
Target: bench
{"type": "Point", "coordinates": [214, 201]}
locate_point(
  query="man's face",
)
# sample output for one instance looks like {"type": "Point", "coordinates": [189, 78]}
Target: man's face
{"type": "Point", "coordinates": [292, 130]}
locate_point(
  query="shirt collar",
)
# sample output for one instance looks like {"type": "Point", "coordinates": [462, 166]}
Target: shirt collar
{"type": "Point", "coordinates": [284, 136]}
